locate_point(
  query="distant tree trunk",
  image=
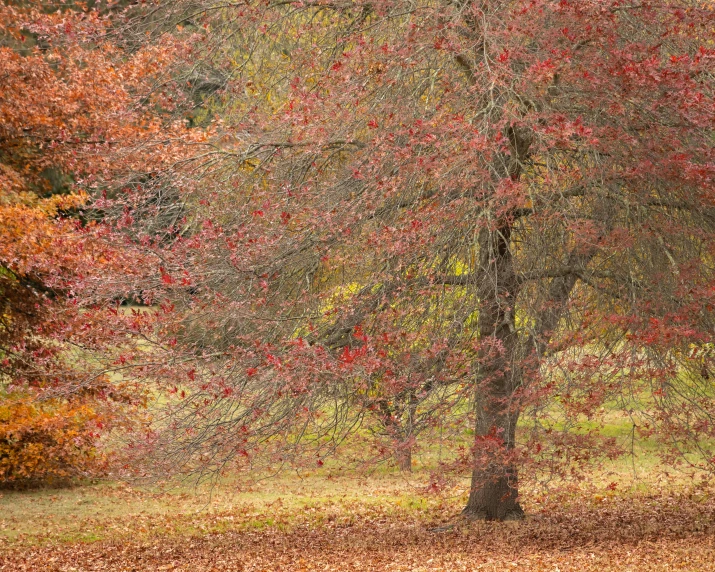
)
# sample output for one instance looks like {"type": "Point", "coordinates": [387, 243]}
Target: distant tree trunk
{"type": "Point", "coordinates": [402, 432]}
{"type": "Point", "coordinates": [404, 460]}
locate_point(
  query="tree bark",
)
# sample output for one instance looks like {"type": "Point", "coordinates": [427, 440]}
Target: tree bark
{"type": "Point", "coordinates": [494, 494]}
{"type": "Point", "coordinates": [496, 498]}
{"type": "Point", "coordinates": [494, 490]}
{"type": "Point", "coordinates": [403, 457]}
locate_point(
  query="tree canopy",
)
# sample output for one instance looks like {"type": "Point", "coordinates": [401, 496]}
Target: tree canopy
{"type": "Point", "coordinates": [496, 213]}
{"type": "Point", "coordinates": [70, 128]}
{"type": "Point", "coordinates": [480, 223]}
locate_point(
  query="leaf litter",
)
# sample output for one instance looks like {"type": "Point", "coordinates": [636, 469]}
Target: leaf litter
{"type": "Point", "coordinates": [664, 530]}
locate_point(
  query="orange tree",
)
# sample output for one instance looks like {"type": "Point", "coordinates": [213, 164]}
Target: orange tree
{"type": "Point", "coordinates": [70, 126]}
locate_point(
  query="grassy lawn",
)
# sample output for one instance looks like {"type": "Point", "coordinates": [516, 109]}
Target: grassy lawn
{"type": "Point", "coordinates": [111, 511]}
{"type": "Point", "coordinates": [652, 519]}
{"type": "Point", "coordinates": [380, 522]}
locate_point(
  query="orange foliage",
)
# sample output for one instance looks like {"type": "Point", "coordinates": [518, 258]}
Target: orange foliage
{"type": "Point", "coordinates": [66, 116]}
{"type": "Point", "coordinates": [46, 441]}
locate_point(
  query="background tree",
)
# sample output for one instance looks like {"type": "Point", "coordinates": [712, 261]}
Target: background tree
{"type": "Point", "coordinates": [70, 127]}
{"type": "Point", "coordinates": [496, 213]}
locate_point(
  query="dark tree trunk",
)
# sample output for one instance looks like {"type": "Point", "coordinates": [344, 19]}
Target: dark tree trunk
{"type": "Point", "coordinates": [496, 499]}
{"type": "Point", "coordinates": [494, 490]}
{"type": "Point", "coordinates": [403, 457]}
{"type": "Point", "coordinates": [494, 493]}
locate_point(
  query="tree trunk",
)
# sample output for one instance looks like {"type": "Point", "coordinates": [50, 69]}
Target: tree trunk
{"type": "Point", "coordinates": [494, 494]}
{"type": "Point", "coordinates": [495, 499]}
{"type": "Point", "coordinates": [403, 457]}
{"type": "Point", "coordinates": [494, 489]}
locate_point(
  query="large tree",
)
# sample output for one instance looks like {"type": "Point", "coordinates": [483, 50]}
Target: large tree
{"type": "Point", "coordinates": [410, 211]}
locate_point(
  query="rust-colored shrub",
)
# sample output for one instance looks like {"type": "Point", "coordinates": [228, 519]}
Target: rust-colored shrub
{"type": "Point", "coordinates": [46, 441]}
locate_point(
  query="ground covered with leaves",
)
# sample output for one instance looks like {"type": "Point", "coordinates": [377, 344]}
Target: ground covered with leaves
{"type": "Point", "coordinates": [383, 523]}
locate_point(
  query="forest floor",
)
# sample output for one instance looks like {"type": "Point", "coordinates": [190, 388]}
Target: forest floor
{"type": "Point", "coordinates": [384, 521]}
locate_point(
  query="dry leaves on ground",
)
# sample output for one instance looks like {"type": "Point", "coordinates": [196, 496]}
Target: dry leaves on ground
{"type": "Point", "coordinates": [645, 533]}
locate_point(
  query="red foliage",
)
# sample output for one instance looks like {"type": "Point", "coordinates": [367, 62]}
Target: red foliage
{"type": "Point", "coordinates": [495, 211]}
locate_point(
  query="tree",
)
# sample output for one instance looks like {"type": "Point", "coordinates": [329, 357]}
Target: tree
{"type": "Point", "coordinates": [69, 127]}
{"type": "Point", "coordinates": [501, 212]}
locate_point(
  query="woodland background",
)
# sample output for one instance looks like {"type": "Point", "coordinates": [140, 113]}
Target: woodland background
{"type": "Point", "coordinates": [346, 285]}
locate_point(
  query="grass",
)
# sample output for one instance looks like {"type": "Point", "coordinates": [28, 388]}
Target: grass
{"type": "Point", "coordinates": [329, 521]}
{"type": "Point", "coordinates": [378, 522]}
{"type": "Point", "coordinates": [653, 518]}
{"type": "Point", "coordinates": [110, 510]}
